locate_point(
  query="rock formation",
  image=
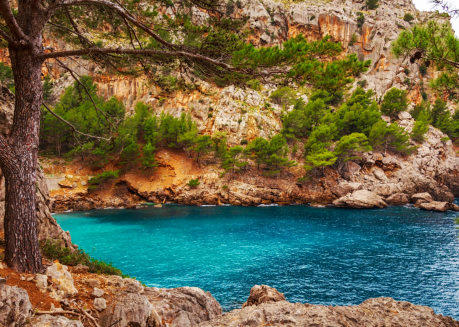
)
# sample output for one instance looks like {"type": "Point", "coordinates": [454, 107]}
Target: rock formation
{"type": "Point", "coordinates": [131, 304]}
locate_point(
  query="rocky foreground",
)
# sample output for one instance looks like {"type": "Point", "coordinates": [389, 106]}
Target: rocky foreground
{"type": "Point", "coordinates": [71, 297]}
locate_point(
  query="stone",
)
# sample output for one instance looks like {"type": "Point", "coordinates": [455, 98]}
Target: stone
{"type": "Point", "coordinates": [397, 199]}
{"type": "Point", "coordinates": [132, 285]}
{"type": "Point", "coordinates": [61, 279]}
{"type": "Point", "coordinates": [361, 199]}
{"type": "Point", "coordinates": [15, 306]}
{"type": "Point", "coordinates": [65, 183]}
{"type": "Point", "coordinates": [421, 197]}
{"type": "Point", "coordinates": [404, 115]}
{"type": "Point", "coordinates": [97, 292]}
{"type": "Point", "coordinates": [54, 321]}
{"type": "Point", "coordinates": [434, 206]}
{"type": "Point", "coordinates": [263, 294]}
{"type": "Point", "coordinates": [183, 306]}
{"type": "Point", "coordinates": [129, 309]}
{"type": "Point", "coordinates": [379, 174]}
{"type": "Point", "coordinates": [41, 281]}
{"type": "Point", "coordinates": [100, 304]}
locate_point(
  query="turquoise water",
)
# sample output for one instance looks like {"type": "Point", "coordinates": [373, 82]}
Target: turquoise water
{"type": "Point", "coordinates": [314, 255]}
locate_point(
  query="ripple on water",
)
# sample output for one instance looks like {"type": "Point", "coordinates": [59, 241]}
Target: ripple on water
{"type": "Point", "coordinates": [315, 255]}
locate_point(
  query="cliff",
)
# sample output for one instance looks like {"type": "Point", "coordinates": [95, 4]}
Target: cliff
{"type": "Point", "coordinates": [241, 113]}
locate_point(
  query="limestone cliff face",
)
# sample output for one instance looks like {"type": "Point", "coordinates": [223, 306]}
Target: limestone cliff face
{"type": "Point", "coordinates": [48, 227]}
{"type": "Point", "coordinates": [241, 112]}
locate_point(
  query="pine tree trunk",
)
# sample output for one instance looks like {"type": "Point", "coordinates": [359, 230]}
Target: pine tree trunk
{"type": "Point", "coordinates": [21, 235]}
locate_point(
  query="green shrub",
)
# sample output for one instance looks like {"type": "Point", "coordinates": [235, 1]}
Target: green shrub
{"type": "Point", "coordinates": [283, 96]}
{"type": "Point", "coordinates": [270, 153]}
{"type": "Point", "coordinates": [423, 69]}
{"type": "Point", "coordinates": [104, 177]}
{"type": "Point", "coordinates": [371, 4]}
{"type": "Point", "coordinates": [360, 19]}
{"type": "Point", "coordinates": [420, 127]}
{"type": "Point", "coordinates": [350, 147]}
{"type": "Point", "coordinates": [408, 17]}
{"type": "Point", "coordinates": [390, 137]}
{"type": "Point", "coordinates": [149, 158]}
{"type": "Point", "coordinates": [54, 251]}
{"type": "Point", "coordinates": [194, 183]}
{"type": "Point", "coordinates": [303, 118]}
{"type": "Point", "coordinates": [394, 102]}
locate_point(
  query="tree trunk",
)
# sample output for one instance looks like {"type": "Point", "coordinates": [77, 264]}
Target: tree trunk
{"type": "Point", "coordinates": [21, 235]}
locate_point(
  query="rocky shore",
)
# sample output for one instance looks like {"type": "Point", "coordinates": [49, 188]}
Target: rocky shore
{"type": "Point", "coordinates": [375, 181]}
{"type": "Point", "coordinates": [71, 297]}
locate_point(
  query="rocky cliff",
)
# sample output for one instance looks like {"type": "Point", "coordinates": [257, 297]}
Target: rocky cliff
{"type": "Point", "coordinates": [241, 113]}
{"type": "Point", "coordinates": [71, 297]}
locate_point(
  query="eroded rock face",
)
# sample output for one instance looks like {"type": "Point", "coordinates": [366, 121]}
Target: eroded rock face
{"type": "Point", "coordinates": [54, 321]}
{"type": "Point", "coordinates": [361, 199]}
{"type": "Point", "coordinates": [184, 306]}
{"type": "Point", "coordinates": [263, 294]}
{"type": "Point", "coordinates": [371, 313]}
{"type": "Point", "coordinates": [15, 306]}
{"type": "Point", "coordinates": [130, 309]}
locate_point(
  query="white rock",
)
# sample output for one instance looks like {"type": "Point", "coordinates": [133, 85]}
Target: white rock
{"type": "Point", "coordinates": [62, 279]}
{"type": "Point", "coordinates": [100, 304]}
{"type": "Point", "coordinates": [41, 281]}
{"type": "Point", "coordinates": [97, 292]}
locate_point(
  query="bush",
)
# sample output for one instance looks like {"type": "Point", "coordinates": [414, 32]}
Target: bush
{"type": "Point", "coordinates": [357, 115]}
{"type": "Point", "coordinates": [408, 17]}
{"type": "Point", "coordinates": [371, 4]}
{"type": "Point", "coordinates": [303, 118]}
{"type": "Point", "coordinates": [391, 137]}
{"type": "Point", "coordinates": [194, 183]}
{"type": "Point", "coordinates": [54, 251]}
{"type": "Point", "coordinates": [283, 96]}
{"type": "Point", "coordinates": [271, 154]}
{"type": "Point", "coordinates": [360, 19]}
{"type": "Point", "coordinates": [98, 180]}
{"type": "Point", "coordinates": [149, 159]}
{"type": "Point", "coordinates": [419, 129]}
{"type": "Point", "coordinates": [394, 102]}
{"type": "Point", "coordinates": [350, 147]}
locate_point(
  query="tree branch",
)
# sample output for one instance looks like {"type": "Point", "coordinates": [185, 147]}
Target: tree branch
{"type": "Point", "coordinates": [7, 14]}
{"type": "Point", "coordinates": [73, 126]}
{"type": "Point", "coordinates": [141, 52]}
{"type": "Point", "coordinates": [118, 9]}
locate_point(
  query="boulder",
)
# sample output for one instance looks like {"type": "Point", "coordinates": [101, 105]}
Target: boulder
{"type": "Point", "coordinates": [361, 199]}
{"type": "Point", "coordinates": [61, 280]}
{"type": "Point", "coordinates": [54, 321]}
{"type": "Point", "coordinates": [129, 309]}
{"type": "Point", "coordinates": [97, 292]}
{"type": "Point", "coordinates": [435, 206]}
{"type": "Point", "coordinates": [397, 199]}
{"type": "Point", "coordinates": [15, 306]}
{"type": "Point", "coordinates": [100, 304]}
{"type": "Point", "coordinates": [421, 197]}
{"type": "Point", "coordinates": [184, 306]}
{"type": "Point", "coordinates": [41, 281]}
{"type": "Point", "coordinates": [263, 294]}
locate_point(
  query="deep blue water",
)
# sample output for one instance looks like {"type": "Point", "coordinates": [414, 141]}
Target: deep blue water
{"type": "Point", "coordinates": [314, 255]}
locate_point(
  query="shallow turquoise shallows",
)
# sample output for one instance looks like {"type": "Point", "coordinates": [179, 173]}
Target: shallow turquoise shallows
{"type": "Point", "coordinates": [321, 256]}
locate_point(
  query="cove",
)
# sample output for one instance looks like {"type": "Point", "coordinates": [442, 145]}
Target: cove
{"type": "Point", "coordinates": [316, 255]}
